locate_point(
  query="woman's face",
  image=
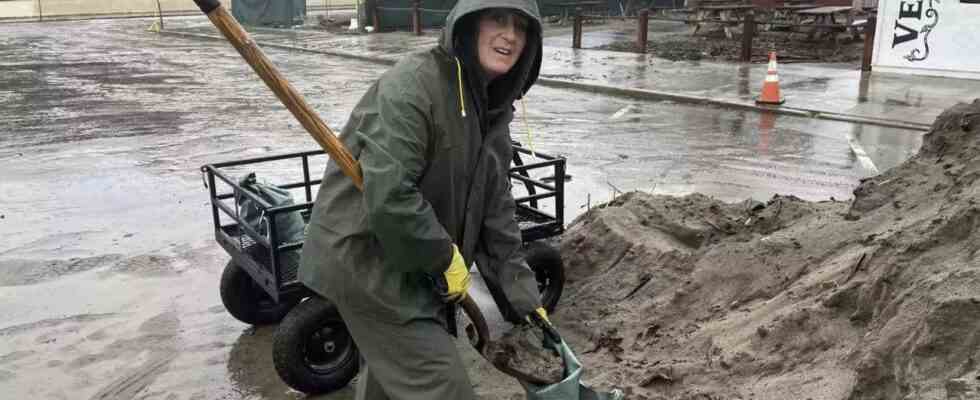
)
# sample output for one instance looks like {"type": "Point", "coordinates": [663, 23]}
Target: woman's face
{"type": "Point", "coordinates": [501, 39]}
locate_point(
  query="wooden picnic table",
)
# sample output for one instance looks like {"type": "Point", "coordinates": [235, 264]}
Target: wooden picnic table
{"type": "Point", "coordinates": [830, 15]}
{"type": "Point", "coordinates": [568, 8]}
{"type": "Point", "coordinates": [783, 13]}
{"type": "Point", "coordinates": [726, 15]}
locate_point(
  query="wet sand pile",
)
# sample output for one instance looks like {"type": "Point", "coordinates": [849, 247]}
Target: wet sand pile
{"type": "Point", "coordinates": [877, 298]}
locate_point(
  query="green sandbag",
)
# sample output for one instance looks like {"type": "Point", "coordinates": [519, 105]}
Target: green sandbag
{"type": "Point", "coordinates": [571, 387]}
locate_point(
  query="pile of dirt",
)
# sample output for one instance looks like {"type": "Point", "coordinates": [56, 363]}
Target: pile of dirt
{"type": "Point", "coordinates": [716, 47]}
{"type": "Point", "coordinates": [879, 298]}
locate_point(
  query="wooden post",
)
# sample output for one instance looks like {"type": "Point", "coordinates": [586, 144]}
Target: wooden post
{"type": "Point", "coordinates": [869, 42]}
{"type": "Point", "coordinates": [577, 30]}
{"type": "Point", "coordinates": [377, 19]}
{"type": "Point", "coordinates": [748, 33]}
{"type": "Point", "coordinates": [417, 17]}
{"type": "Point", "coordinates": [641, 34]}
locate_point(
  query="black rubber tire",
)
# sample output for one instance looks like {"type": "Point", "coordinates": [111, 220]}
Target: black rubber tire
{"type": "Point", "coordinates": [312, 350]}
{"type": "Point", "coordinates": [247, 301]}
{"type": "Point", "coordinates": [549, 271]}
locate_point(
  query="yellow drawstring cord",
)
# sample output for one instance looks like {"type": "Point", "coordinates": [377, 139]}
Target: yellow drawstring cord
{"type": "Point", "coordinates": [459, 79]}
{"type": "Point", "coordinates": [527, 127]}
{"type": "Point", "coordinates": [462, 106]}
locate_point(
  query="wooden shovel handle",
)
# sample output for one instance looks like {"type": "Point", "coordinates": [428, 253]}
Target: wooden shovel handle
{"type": "Point", "coordinates": [289, 97]}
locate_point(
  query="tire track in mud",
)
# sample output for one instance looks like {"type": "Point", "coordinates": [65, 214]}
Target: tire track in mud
{"type": "Point", "coordinates": [160, 334]}
{"type": "Point", "coordinates": [128, 386]}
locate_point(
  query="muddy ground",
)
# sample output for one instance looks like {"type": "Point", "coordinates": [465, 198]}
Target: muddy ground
{"type": "Point", "coordinates": [874, 298]}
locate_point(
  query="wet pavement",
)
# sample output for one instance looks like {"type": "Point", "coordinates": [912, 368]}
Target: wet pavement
{"type": "Point", "coordinates": [827, 88]}
{"type": "Point", "coordinates": [108, 268]}
{"type": "Point", "coordinates": [839, 90]}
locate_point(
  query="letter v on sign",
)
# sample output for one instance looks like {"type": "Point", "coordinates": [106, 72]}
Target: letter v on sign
{"type": "Point", "coordinates": [910, 34]}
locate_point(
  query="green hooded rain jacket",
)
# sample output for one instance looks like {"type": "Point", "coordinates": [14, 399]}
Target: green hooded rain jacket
{"type": "Point", "coordinates": [434, 147]}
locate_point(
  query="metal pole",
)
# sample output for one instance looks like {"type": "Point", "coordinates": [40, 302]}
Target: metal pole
{"type": "Point", "coordinates": [748, 33]}
{"type": "Point", "coordinates": [40, 13]}
{"type": "Point", "coordinates": [869, 42]}
{"type": "Point", "coordinates": [417, 18]}
{"type": "Point", "coordinates": [160, 14]}
{"type": "Point", "coordinates": [560, 192]}
{"type": "Point", "coordinates": [577, 30]}
{"type": "Point", "coordinates": [641, 37]}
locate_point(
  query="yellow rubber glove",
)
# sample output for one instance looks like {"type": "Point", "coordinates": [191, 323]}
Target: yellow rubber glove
{"type": "Point", "coordinates": [457, 278]}
{"type": "Point", "coordinates": [541, 312]}
{"type": "Point", "coordinates": [540, 319]}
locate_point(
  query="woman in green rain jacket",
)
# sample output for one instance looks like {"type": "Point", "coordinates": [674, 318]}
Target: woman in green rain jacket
{"type": "Point", "coordinates": [434, 146]}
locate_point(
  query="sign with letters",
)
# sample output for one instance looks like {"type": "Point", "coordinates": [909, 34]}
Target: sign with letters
{"type": "Point", "coordinates": [928, 37]}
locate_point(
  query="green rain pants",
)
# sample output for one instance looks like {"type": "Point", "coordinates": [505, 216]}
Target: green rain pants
{"type": "Point", "coordinates": [415, 361]}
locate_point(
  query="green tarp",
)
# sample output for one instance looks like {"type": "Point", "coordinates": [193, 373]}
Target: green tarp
{"type": "Point", "coordinates": [269, 12]}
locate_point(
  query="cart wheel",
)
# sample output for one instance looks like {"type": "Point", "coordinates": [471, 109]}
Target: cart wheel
{"type": "Point", "coordinates": [247, 301]}
{"type": "Point", "coordinates": [549, 271]}
{"type": "Point", "coordinates": [312, 350]}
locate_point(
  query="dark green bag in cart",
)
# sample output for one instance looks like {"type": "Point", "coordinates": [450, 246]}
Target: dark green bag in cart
{"type": "Point", "coordinates": [290, 226]}
{"type": "Point", "coordinates": [571, 387]}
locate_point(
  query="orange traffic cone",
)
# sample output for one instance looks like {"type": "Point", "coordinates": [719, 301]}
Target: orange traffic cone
{"type": "Point", "coordinates": [770, 88]}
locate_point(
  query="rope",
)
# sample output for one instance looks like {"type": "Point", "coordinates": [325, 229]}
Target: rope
{"type": "Point", "coordinates": [459, 78]}
{"type": "Point", "coordinates": [527, 127]}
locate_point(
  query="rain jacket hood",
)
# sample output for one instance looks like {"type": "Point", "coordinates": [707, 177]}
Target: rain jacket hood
{"type": "Point", "coordinates": [459, 37]}
{"type": "Point", "coordinates": [434, 148]}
